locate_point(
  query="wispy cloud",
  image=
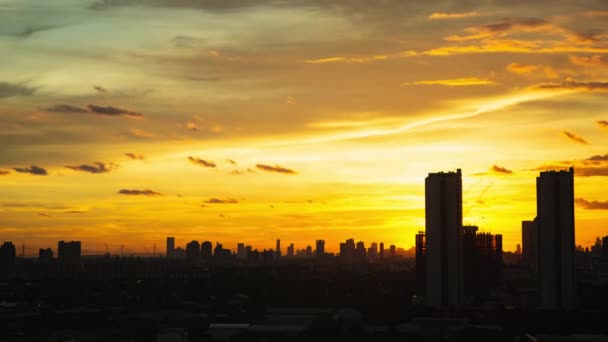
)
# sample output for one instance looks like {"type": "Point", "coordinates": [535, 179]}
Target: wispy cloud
{"type": "Point", "coordinates": [343, 59]}
{"type": "Point", "coordinates": [441, 15]}
{"type": "Point", "coordinates": [135, 156]}
{"type": "Point", "coordinates": [276, 168]}
{"type": "Point", "coordinates": [602, 123]}
{"type": "Point", "coordinates": [95, 167]}
{"type": "Point", "coordinates": [570, 83]}
{"type": "Point", "coordinates": [201, 162]}
{"type": "Point", "coordinates": [455, 82]}
{"type": "Point", "coordinates": [135, 192]}
{"type": "Point", "coordinates": [501, 170]}
{"type": "Point", "coordinates": [34, 170]}
{"type": "Point", "coordinates": [221, 201]}
{"type": "Point", "coordinates": [591, 205]}
{"type": "Point", "coordinates": [140, 133]}
{"type": "Point", "coordinates": [589, 61]}
{"type": "Point", "coordinates": [100, 89]}
{"type": "Point", "coordinates": [575, 138]}
{"type": "Point", "coordinates": [521, 69]}
{"type": "Point", "coordinates": [4, 172]}
{"type": "Point", "coordinates": [65, 108]}
{"type": "Point", "coordinates": [94, 109]}
{"type": "Point", "coordinates": [15, 89]}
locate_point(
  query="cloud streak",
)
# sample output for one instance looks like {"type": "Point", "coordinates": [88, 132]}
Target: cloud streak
{"type": "Point", "coordinates": [201, 162]}
{"type": "Point", "coordinates": [276, 168]}
{"type": "Point", "coordinates": [33, 170]}
{"type": "Point", "coordinates": [455, 82]}
{"type": "Point", "coordinates": [221, 201]}
{"type": "Point", "coordinates": [135, 156]}
{"type": "Point", "coordinates": [136, 192]}
{"type": "Point", "coordinates": [500, 170]}
{"type": "Point", "coordinates": [442, 15]}
{"type": "Point", "coordinates": [94, 109]}
{"type": "Point", "coordinates": [95, 167]}
{"type": "Point", "coordinates": [575, 138]}
{"type": "Point", "coordinates": [591, 205]}
{"type": "Point", "coordinates": [13, 89]}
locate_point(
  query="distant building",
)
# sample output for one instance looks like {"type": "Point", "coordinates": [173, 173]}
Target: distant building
{"type": "Point", "coordinates": [528, 240]}
{"type": "Point", "coordinates": [277, 251]}
{"type": "Point", "coordinates": [605, 246]}
{"type": "Point", "coordinates": [308, 251]}
{"type": "Point", "coordinates": [320, 251]}
{"type": "Point", "coordinates": [381, 252]}
{"type": "Point", "coordinates": [443, 213]}
{"type": "Point", "coordinates": [45, 255]}
{"type": "Point", "coordinates": [555, 239]}
{"type": "Point", "coordinates": [7, 253]}
{"type": "Point", "coordinates": [347, 249]}
{"type": "Point", "coordinates": [392, 252]}
{"type": "Point", "coordinates": [217, 251]}
{"type": "Point", "coordinates": [206, 249]}
{"type": "Point", "coordinates": [241, 253]}
{"type": "Point", "coordinates": [420, 264]}
{"type": "Point", "coordinates": [372, 251]}
{"type": "Point", "coordinates": [290, 250]}
{"type": "Point", "coordinates": [69, 251]}
{"type": "Point", "coordinates": [360, 251]}
{"type": "Point", "coordinates": [170, 247]}
{"type": "Point", "coordinates": [193, 250]}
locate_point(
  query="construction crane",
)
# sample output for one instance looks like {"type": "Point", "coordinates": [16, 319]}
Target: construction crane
{"type": "Point", "coordinates": [479, 198]}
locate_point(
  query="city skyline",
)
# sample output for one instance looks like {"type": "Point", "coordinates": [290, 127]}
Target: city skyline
{"type": "Point", "coordinates": [123, 122]}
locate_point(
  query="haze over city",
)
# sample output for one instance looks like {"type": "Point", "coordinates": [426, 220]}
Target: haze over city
{"type": "Point", "coordinates": [124, 122]}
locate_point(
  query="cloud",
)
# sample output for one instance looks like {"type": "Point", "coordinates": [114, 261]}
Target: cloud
{"type": "Point", "coordinates": [12, 89]}
{"type": "Point", "coordinates": [95, 167]}
{"type": "Point", "coordinates": [602, 123]}
{"type": "Point", "coordinates": [344, 59]}
{"type": "Point", "coordinates": [93, 109]}
{"type": "Point", "coordinates": [570, 83]}
{"type": "Point", "coordinates": [4, 172]}
{"type": "Point", "coordinates": [135, 192]}
{"type": "Point", "coordinates": [455, 82]}
{"type": "Point", "coordinates": [276, 168]}
{"type": "Point", "coordinates": [34, 170]}
{"type": "Point", "coordinates": [576, 138]}
{"type": "Point", "coordinates": [591, 61]}
{"type": "Point", "coordinates": [113, 111]}
{"type": "Point", "coordinates": [241, 172]}
{"type": "Point", "coordinates": [521, 69]}
{"type": "Point", "coordinates": [100, 89]}
{"type": "Point", "coordinates": [65, 108]}
{"type": "Point", "coordinates": [230, 161]}
{"type": "Point", "coordinates": [201, 162]}
{"type": "Point", "coordinates": [591, 205]}
{"type": "Point", "coordinates": [501, 170]}
{"type": "Point", "coordinates": [441, 15]}
{"type": "Point", "coordinates": [135, 156]}
{"type": "Point", "coordinates": [221, 201]}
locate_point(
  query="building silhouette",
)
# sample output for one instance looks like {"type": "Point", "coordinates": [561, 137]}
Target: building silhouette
{"type": "Point", "coordinates": [347, 249]}
{"type": "Point", "coordinates": [528, 240]}
{"type": "Point", "coordinates": [320, 251]}
{"type": "Point", "coordinates": [443, 214]}
{"type": "Point", "coordinates": [360, 251]}
{"type": "Point", "coordinates": [555, 239]}
{"type": "Point", "coordinates": [45, 255]}
{"type": "Point", "coordinates": [206, 249]}
{"type": "Point", "coordinates": [193, 250]}
{"type": "Point", "coordinates": [7, 253]}
{"type": "Point", "coordinates": [421, 264]}
{"type": "Point", "coordinates": [170, 247]}
{"type": "Point", "coordinates": [381, 252]}
{"type": "Point", "coordinates": [290, 250]}
{"type": "Point", "coordinates": [277, 251]}
{"type": "Point", "coordinates": [69, 251]}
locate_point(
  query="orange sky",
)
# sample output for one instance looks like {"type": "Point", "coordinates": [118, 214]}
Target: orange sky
{"type": "Point", "coordinates": [126, 121]}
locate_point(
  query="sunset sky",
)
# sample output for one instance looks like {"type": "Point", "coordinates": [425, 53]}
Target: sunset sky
{"type": "Point", "coordinates": [126, 121]}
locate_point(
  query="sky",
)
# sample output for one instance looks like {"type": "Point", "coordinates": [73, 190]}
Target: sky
{"type": "Point", "coordinates": [123, 122]}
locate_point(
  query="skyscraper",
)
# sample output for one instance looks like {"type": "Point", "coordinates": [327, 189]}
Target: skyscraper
{"type": "Point", "coordinates": [206, 249]}
{"type": "Point", "coordinates": [277, 252]}
{"type": "Point", "coordinates": [170, 247]}
{"type": "Point", "coordinates": [320, 251]}
{"type": "Point", "coordinates": [7, 253]}
{"type": "Point", "coordinates": [69, 251]}
{"type": "Point", "coordinates": [528, 240]}
{"type": "Point", "coordinates": [193, 250]}
{"type": "Point", "coordinates": [555, 239]}
{"type": "Point", "coordinates": [443, 213]}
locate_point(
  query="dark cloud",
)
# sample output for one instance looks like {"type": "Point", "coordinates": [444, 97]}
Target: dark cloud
{"type": "Point", "coordinates": [591, 205]}
{"type": "Point", "coordinates": [241, 172]}
{"type": "Point", "coordinates": [572, 84]}
{"type": "Point", "coordinates": [113, 111]}
{"type": "Point", "coordinates": [12, 89]}
{"type": "Point", "coordinates": [34, 170]}
{"type": "Point", "coordinates": [135, 192]}
{"type": "Point", "coordinates": [201, 162]}
{"type": "Point", "coordinates": [65, 108]}
{"type": "Point", "coordinates": [100, 89]}
{"type": "Point", "coordinates": [135, 156]}
{"type": "Point", "coordinates": [501, 170]}
{"type": "Point", "coordinates": [4, 172]}
{"type": "Point", "coordinates": [276, 168]}
{"type": "Point", "coordinates": [221, 201]}
{"type": "Point", "coordinates": [575, 138]}
{"type": "Point", "coordinates": [230, 161]}
{"type": "Point", "coordinates": [599, 158]}
{"type": "Point", "coordinates": [44, 214]}
{"type": "Point", "coordinates": [602, 123]}
{"type": "Point", "coordinates": [95, 167]}
{"type": "Point", "coordinates": [30, 31]}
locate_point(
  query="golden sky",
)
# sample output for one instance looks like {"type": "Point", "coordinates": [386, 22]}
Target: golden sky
{"type": "Point", "coordinates": [126, 121]}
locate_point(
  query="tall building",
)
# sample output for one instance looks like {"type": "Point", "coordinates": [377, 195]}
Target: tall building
{"type": "Point", "coordinates": [170, 247]}
{"type": "Point", "coordinates": [381, 252]}
{"type": "Point", "coordinates": [528, 240]}
{"type": "Point", "coordinates": [347, 249]}
{"type": "Point", "coordinates": [420, 263]}
{"type": "Point", "coordinates": [241, 253]}
{"type": "Point", "coordinates": [193, 250]}
{"type": "Point", "coordinates": [7, 253]}
{"type": "Point", "coordinates": [320, 251]}
{"type": "Point", "coordinates": [69, 251]}
{"type": "Point", "coordinates": [45, 255]}
{"type": "Point", "coordinates": [555, 239]}
{"type": "Point", "coordinates": [360, 251]}
{"type": "Point", "coordinates": [290, 250]}
{"type": "Point", "coordinates": [277, 252]}
{"type": "Point", "coordinates": [443, 214]}
{"type": "Point", "coordinates": [206, 249]}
